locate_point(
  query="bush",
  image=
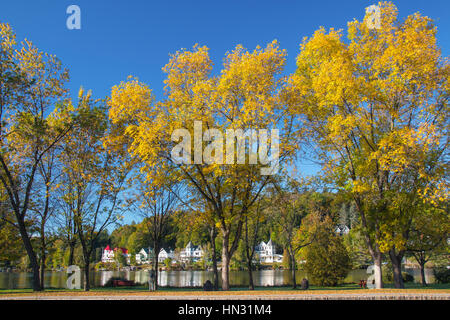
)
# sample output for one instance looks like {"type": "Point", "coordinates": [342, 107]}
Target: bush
{"type": "Point", "coordinates": [168, 263]}
{"type": "Point", "coordinates": [442, 275]}
{"type": "Point", "coordinates": [276, 266]}
{"type": "Point", "coordinates": [327, 259]}
{"type": "Point", "coordinates": [407, 277]}
{"type": "Point", "coordinates": [105, 266]}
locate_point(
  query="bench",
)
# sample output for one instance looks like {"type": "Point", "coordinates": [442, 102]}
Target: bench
{"type": "Point", "coordinates": [362, 283]}
{"type": "Point", "coordinates": [123, 283]}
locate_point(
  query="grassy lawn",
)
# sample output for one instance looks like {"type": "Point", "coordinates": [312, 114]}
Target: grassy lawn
{"type": "Point", "coordinates": [345, 288]}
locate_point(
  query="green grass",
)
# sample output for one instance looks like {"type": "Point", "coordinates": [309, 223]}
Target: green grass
{"type": "Point", "coordinates": [343, 287]}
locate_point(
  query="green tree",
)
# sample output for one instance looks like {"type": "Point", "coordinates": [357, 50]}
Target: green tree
{"type": "Point", "coordinates": [120, 258]}
{"type": "Point", "coordinates": [168, 263]}
{"type": "Point", "coordinates": [327, 259]}
{"type": "Point", "coordinates": [10, 241]}
{"type": "Point", "coordinates": [288, 210]}
{"type": "Point", "coordinates": [429, 235]}
{"type": "Point", "coordinates": [354, 242]}
{"type": "Point", "coordinates": [58, 256]}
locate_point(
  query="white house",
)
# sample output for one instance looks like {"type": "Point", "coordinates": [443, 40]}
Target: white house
{"type": "Point", "coordinates": [163, 255]}
{"type": "Point", "coordinates": [343, 229]}
{"type": "Point", "coordinates": [108, 254]}
{"type": "Point", "coordinates": [267, 252]}
{"type": "Point", "coordinates": [191, 253]}
{"type": "Point", "coordinates": [143, 255]}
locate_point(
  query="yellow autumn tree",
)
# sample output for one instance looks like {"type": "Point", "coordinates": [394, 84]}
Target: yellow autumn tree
{"type": "Point", "coordinates": [93, 176]}
{"type": "Point", "coordinates": [375, 111]}
{"type": "Point", "coordinates": [32, 83]}
{"type": "Point", "coordinates": [245, 95]}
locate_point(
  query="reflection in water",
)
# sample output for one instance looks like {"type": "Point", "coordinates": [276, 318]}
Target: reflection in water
{"type": "Point", "coordinates": [57, 279]}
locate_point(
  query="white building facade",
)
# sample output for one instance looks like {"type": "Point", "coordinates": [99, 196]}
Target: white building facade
{"type": "Point", "coordinates": [267, 253]}
{"type": "Point", "coordinates": [108, 254]}
{"type": "Point", "coordinates": [191, 253]}
{"type": "Point", "coordinates": [144, 256]}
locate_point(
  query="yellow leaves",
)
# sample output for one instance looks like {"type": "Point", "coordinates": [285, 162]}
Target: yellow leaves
{"type": "Point", "coordinates": [398, 58]}
{"type": "Point", "coordinates": [325, 68]}
{"type": "Point", "coordinates": [243, 96]}
{"type": "Point", "coordinates": [405, 147]}
{"type": "Point", "coordinates": [360, 187]}
{"type": "Point", "coordinates": [7, 37]}
{"type": "Point", "coordinates": [42, 72]}
{"type": "Point", "coordinates": [130, 100]}
{"type": "Point", "coordinates": [247, 82]}
{"type": "Point", "coordinates": [185, 69]}
{"type": "Point", "coordinates": [373, 96]}
{"type": "Point", "coordinates": [340, 126]}
{"type": "Point", "coordinates": [375, 110]}
{"type": "Point", "coordinates": [388, 240]}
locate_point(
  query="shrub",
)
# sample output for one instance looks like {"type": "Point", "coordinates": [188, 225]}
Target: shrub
{"type": "Point", "coordinates": [105, 265]}
{"type": "Point", "coordinates": [276, 266]}
{"type": "Point", "coordinates": [442, 275]}
{"type": "Point", "coordinates": [407, 277]}
{"type": "Point", "coordinates": [327, 259]}
{"type": "Point", "coordinates": [168, 263]}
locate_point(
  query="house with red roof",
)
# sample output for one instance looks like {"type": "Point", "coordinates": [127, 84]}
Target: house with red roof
{"type": "Point", "coordinates": [109, 254]}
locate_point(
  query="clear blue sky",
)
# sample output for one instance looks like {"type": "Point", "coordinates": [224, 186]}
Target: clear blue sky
{"type": "Point", "coordinates": [121, 38]}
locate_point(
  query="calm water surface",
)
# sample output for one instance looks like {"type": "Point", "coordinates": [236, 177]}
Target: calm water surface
{"type": "Point", "coordinates": [53, 279]}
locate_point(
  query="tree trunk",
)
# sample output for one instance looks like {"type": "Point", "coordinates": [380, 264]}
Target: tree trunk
{"type": "Point", "coordinates": [251, 286]}
{"type": "Point", "coordinates": [227, 253]}
{"type": "Point", "coordinates": [216, 274]}
{"type": "Point", "coordinates": [71, 252]}
{"type": "Point", "coordinates": [43, 257]}
{"type": "Point", "coordinates": [422, 273]}
{"type": "Point", "coordinates": [225, 265]}
{"type": "Point", "coordinates": [398, 279]}
{"type": "Point", "coordinates": [378, 274]}
{"type": "Point", "coordinates": [155, 280]}
{"type": "Point", "coordinates": [396, 260]}
{"type": "Point", "coordinates": [31, 255]}
{"type": "Point", "coordinates": [249, 254]}
{"type": "Point", "coordinates": [87, 284]}
{"type": "Point", "coordinates": [373, 249]}
{"type": "Point", "coordinates": [293, 267]}
{"type": "Point", "coordinates": [214, 259]}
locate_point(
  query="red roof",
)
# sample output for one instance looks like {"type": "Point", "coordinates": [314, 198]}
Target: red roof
{"type": "Point", "coordinates": [124, 250]}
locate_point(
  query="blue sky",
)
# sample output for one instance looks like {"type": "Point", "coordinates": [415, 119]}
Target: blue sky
{"type": "Point", "coordinates": [121, 38]}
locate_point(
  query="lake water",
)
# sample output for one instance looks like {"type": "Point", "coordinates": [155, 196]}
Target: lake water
{"type": "Point", "coordinates": [53, 279]}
